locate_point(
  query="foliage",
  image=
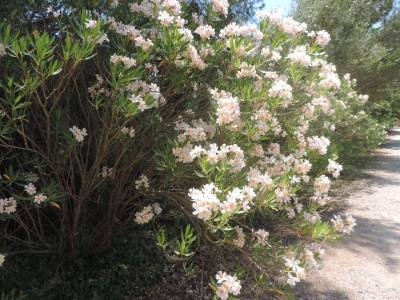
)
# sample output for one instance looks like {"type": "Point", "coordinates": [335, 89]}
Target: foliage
{"type": "Point", "coordinates": [200, 137]}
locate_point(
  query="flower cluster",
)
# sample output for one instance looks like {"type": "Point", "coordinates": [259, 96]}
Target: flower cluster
{"type": "Point", "coordinates": [319, 144]}
{"type": "Point", "coordinates": [220, 6]}
{"type": "Point", "coordinates": [294, 271]}
{"type": "Point", "coordinates": [280, 88]}
{"type": "Point", "coordinates": [205, 201]}
{"type": "Point", "coordinates": [79, 134]}
{"type": "Point", "coordinates": [299, 56]}
{"type": "Point", "coordinates": [285, 24]}
{"type": "Point", "coordinates": [344, 225]}
{"type": "Point", "coordinates": [127, 61]}
{"type": "Point", "coordinates": [144, 95]}
{"type": "Point", "coordinates": [30, 189]}
{"type": "Point", "coordinates": [132, 33]}
{"type": "Point", "coordinates": [142, 181]}
{"type": "Point", "coordinates": [262, 236]}
{"type": "Point", "coordinates": [322, 185]}
{"type": "Point", "coordinates": [205, 31]}
{"type": "Point", "coordinates": [194, 56]}
{"type": "Point", "coordinates": [147, 213]}
{"type": "Point", "coordinates": [228, 109]}
{"type": "Point", "coordinates": [226, 285]}
{"type": "Point", "coordinates": [8, 205]}
{"type": "Point", "coordinates": [334, 168]}
{"type": "Point", "coordinates": [128, 131]}
{"type": "Point", "coordinates": [233, 155]}
{"type": "Point", "coordinates": [322, 37]}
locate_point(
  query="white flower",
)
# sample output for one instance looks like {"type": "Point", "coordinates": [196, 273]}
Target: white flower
{"type": "Point", "coordinates": [266, 51]}
{"type": "Point", "coordinates": [8, 205]}
{"type": "Point", "coordinates": [142, 181]}
{"type": "Point", "coordinates": [286, 24]}
{"type": "Point", "coordinates": [165, 18]}
{"type": "Point", "coordinates": [90, 24]}
{"type": "Point", "coordinates": [128, 131]}
{"type": "Point", "coordinates": [291, 213]}
{"type": "Point", "coordinates": [237, 162]}
{"type": "Point", "coordinates": [173, 5]}
{"type": "Point", "coordinates": [235, 30]}
{"type": "Point", "coordinates": [39, 198]}
{"type": "Point", "coordinates": [146, 8]}
{"type": "Point", "coordinates": [143, 43]}
{"type": "Point", "coordinates": [2, 259]}
{"type": "Point", "coordinates": [322, 38]}
{"type": "Point", "coordinates": [232, 201]}
{"type": "Point", "coordinates": [294, 272]}
{"type": "Point", "coordinates": [79, 134]}
{"type": "Point", "coordinates": [319, 144]}
{"type": "Point", "coordinates": [129, 62]}
{"type": "Point", "coordinates": [228, 109]}
{"type": "Point", "coordinates": [30, 189]}
{"type": "Point", "coordinates": [246, 70]}
{"type": "Point", "coordinates": [280, 88]}
{"type": "Point", "coordinates": [227, 284]}
{"type": "Point", "coordinates": [102, 38]}
{"type": "Point", "coordinates": [261, 236]}
{"type": "Point", "coordinates": [330, 80]}
{"type": "Point", "coordinates": [334, 168]}
{"type": "Point", "coordinates": [220, 6]}
{"type": "Point", "coordinates": [157, 208]}
{"type": "Point", "coordinates": [144, 216]}
{"type": "Point", "coordinates": [363, 98]}
{"type": "Point", "coordinates": [205, 201]}
{"type": "Point", "coordinates": [312, 218]}
{"type": "Point", "coordinates": [322, 185]}
{"type": "Point", "coordinates": [205, 31]}
{"type": "Point", "coordinates": [184, 154]}
{"type": "Point", "coordinates": [199, 131]}
{"type": "Point", "coordinates": [2, 50]}
{"type": "Point", "coordinates": [240, 241]}
{"type": "Point", "coordinates": [275, 56]}
{"type": "Point", "coordinates": [323, 103]}
{"type": "Point", "coordinates": [274, 149]}
{"type": "Point", "coordinates": [258, 180]}
{"type": "Point", "coordinates": [345, 225]}
{"type": "Point", "coordinates": [299, 56]}
{"type": "Point", "coordinates": [197, 62]}
{"type": "Point", "coordinates": [302, 167]}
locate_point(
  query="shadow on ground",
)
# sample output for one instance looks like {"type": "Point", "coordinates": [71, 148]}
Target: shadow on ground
{"type": "Point", "coordinates": [374, 198]}
{"type": "Point", "coordinates": [379, 237]}
{"type": "Point", "coordinates": [304, 291]}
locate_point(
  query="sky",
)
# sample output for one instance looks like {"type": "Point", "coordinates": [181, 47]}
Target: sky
{"type": "Point", "coordinates": [273, 4]}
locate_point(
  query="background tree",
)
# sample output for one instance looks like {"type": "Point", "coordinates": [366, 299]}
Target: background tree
{"type": "Point", "coordinates": [365, 43]}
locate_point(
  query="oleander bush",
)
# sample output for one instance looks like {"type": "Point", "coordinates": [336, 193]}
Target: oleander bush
{"type": "Point", "coordinates": [215, 143]}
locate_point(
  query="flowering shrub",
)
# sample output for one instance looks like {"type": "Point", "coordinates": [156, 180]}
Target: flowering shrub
{"type": "Point", "coordinates": [147, 110]}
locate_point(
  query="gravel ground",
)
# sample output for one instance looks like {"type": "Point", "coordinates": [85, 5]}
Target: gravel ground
{"type": "Point", "coordinates": [366, 265]}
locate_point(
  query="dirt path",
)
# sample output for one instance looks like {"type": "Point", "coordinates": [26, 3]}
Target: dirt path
{"type": "Point", "coordinates": [366, 265]}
